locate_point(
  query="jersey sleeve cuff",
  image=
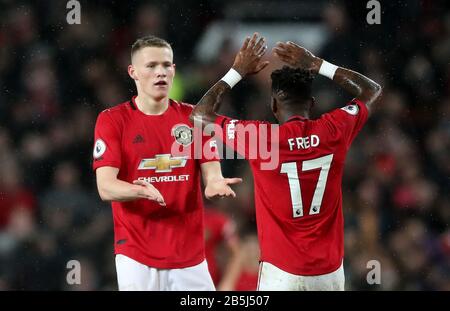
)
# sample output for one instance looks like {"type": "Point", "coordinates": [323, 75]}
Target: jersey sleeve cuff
{"type": "Point", "coordinates": [106, 163]}
{"type": "Point", "coordinates": [221, 120]}
{"type": "Point", "coordinates": [362, 106]}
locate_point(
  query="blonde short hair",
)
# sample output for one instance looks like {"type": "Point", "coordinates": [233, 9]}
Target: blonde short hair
{"type": "Point", "coordinates": [148, 41]}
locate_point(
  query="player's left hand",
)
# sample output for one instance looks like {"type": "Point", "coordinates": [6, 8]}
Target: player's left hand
{"type": "Point", "coordinates": [297, 56]}
{"type": "Point", "coordinates": [248, 59]}
{"type": "Point", "coordinates": [220, 188]}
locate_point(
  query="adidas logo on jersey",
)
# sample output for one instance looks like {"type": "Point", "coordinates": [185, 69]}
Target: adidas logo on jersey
{"type": "Point", "coordinates": [138, 139]}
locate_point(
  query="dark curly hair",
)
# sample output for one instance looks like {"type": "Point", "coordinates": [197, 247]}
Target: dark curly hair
{"type": "Point", "coordinates": [292, 83]}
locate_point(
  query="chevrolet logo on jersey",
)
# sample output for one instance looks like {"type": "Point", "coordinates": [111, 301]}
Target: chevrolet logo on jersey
{"type": "Point", "coordinates": [162, 163]}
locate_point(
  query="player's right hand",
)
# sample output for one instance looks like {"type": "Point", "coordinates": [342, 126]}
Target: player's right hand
{"type": "Point", "coordinates": [248, 59]}
{"type": "Point", "coordinates": [220, 188]}
{"type": "Point", "coordinates": [148, 191]}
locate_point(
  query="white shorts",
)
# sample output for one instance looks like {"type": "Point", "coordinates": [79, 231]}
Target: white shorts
{"type": "Point", "coordinates": [134, 276]}
{"type": "Point", "coordinates": [272, 278]}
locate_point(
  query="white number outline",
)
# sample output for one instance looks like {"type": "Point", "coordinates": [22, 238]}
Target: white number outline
{"type": "Point", "coordinates": [290, 168]}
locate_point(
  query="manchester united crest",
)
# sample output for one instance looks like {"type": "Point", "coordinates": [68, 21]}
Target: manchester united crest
{"type": "Point", "coordinates": [182, 134]}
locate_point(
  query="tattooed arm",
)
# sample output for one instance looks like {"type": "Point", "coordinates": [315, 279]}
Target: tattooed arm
{"type": "Point", "coordinates": [247, 62]}
{"type": "Point", "coordinates": [206, 108]}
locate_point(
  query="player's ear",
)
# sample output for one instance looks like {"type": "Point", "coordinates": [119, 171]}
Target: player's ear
{"type": "Point", "coordinates": [313, 102]}
{"type": "Point", "coordinates": [132, 72]}
{"type": "Point", "coordinates": [274, 105]}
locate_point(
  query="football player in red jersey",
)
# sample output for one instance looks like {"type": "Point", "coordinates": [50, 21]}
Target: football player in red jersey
{"type": "Point", "coordinates": [156, 194]}
{"type": "Point", "coordinates": [222, 239]}
{"type": "Point", "coordinates": [298, 200]}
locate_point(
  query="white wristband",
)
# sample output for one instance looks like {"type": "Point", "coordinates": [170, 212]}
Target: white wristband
{"type": "Point", "coordinates": [327, 69]}
{"type": "Point", "coordinates": [232, 78]}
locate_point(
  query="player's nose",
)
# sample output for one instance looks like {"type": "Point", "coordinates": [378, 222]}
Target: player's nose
{"type": "Point", "coordinates": [161, 75]}
{"type": "Point", "coordinates": [161, 71]}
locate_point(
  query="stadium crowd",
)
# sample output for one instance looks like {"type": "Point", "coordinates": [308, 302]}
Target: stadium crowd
{"type": "Point", "coordinates": [55, 78]}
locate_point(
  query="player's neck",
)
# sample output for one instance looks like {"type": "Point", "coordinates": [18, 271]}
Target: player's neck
{"type": "Point", "coordinates": [289, 114]}
{"type": "Point", "coordinates": [151, 106]}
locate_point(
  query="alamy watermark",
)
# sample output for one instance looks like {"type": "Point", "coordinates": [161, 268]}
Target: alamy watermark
{"type": "Point", "coordinates": [374, 274]}
{"type": "Point", "coordinates": [73, 276]}
{"type": "Point", "coordinates": [74, 14]}
{"type": "Point", "coordinates": [374, 15]}
{"type": "Point", "coordinates": [251, 141]}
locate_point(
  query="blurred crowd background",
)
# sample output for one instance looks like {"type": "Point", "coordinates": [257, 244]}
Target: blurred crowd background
{"type": "Point", "coordinates": [55, 78]}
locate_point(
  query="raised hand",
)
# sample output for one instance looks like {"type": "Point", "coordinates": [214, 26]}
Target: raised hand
{"type": "Point", "coordinates": [248, 59]}
{"type": "Point", "coordinates": [148, 191]}
{"type": "Point", "coordinates": [221, 188]}
{"type": "Point", "coordinates": [297, 56]}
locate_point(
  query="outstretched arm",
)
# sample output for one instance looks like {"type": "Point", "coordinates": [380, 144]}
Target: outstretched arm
{"type": "Point", "coordinates": [216, 186]}
{"type": "Point", "coordinates": [358, 85]}
{"type": "Point", "coordinates": [247, 62]}
{"type": "Point", "coordinates": [110, 188]}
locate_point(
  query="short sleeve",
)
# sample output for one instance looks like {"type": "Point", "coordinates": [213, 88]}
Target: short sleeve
{"type": "Point", "coordinates": [107, 150]}
{"type": "Point", "coordinates": [347, 121]}
{"type": "Point", "coordinates": [209, 150]}
{"type": "Point", "coordinates": [250, 139]}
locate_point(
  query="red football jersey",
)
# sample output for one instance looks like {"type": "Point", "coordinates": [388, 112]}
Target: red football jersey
{"type": "Point", "coordinates": [299, 200]}
{"type": "Point", "coordinates": [14, 200]}
{"type": "Point", "coordinates": [219, 228]}
{"type": "Point", "coordinates": [158, 149]}
{"type": "Point", "coordinates": [247, 281]}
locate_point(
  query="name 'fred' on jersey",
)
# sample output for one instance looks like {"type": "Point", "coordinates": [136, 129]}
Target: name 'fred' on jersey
{"type": "Point", "coordinates": [298, 199]}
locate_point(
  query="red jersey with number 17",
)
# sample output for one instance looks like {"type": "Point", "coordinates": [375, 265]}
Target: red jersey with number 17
{"type": "Point", "coordinates": [140, 146]}
{"type": "Point", "coordinates": [298, 198]}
